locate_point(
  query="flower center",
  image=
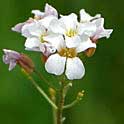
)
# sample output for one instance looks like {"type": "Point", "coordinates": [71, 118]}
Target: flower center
{"type": "Point", "coordinates": [42, 39]}
{"type": "Point", "coordinates": [68, 52]}
{"type": "Point", "coordinates": [71, 33]}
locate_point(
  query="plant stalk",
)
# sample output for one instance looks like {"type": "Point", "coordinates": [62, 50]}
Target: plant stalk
{"type": "Point", "coordinates": [60, 105]}
{"type": "Point", "coordinates": [42, 92]}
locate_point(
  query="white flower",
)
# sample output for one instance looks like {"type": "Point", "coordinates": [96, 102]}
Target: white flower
{"type": "Point", "coordinates": [71, 29]}
{"type": "Point", "coordinates": [100, 31]}
{"type": "Point", "coordinates": [99, 22]}
{"type": "Point", "coordinates": [49, 10]}
{"type": "Point", "coordinates": [85, 17]}
{"type": "Point", "coordinates": [18, 27]}
{"type": "Point", "coordinates": [35, 34]}
{"type": "Point", "coordinates": [10, 57]}
{"type": "Point", "coordinates": [67, 60]}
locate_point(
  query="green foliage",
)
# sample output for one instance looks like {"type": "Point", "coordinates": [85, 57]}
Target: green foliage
{"type": "Point", "coordinates": [103, 83]}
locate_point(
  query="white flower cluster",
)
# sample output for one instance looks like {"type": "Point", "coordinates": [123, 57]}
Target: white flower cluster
{"type": "Point", "coordinates": [61, 38]}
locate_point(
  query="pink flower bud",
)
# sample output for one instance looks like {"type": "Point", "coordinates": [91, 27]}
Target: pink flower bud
{"type": "Point", "coordinates": [26, 63]}
{"type": "Point", "coordinates": [12, 58]}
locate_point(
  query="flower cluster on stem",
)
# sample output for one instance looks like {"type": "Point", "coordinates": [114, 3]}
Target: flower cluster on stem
{"type": "Point", "coordinates": [61, 39]}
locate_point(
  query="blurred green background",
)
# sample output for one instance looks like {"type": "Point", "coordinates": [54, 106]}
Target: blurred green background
{"type": "Point", "coordinates": [20, 103]}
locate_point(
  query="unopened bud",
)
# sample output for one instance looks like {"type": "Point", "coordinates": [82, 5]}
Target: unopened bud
{"type": "Point", "coordinates": [44, 58]}
{"type": "Point", "coordinates": [90, 52]}
{"type": "Point", "coordinates": [52, 92]}
{"type": "Point", "coordinates": [80, 95]}
{"type": "Point", "coordinates": [26, 63]}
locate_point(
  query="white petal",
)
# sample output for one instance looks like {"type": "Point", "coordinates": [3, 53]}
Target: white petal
{"type": "Point", "coordinates": [37, 13]}
{"type": "Point", "coordinates": [33, 44]}
{"type": "Point", "coordinates": [18, 27]}
{"type": "Point", "coordinates": [47, 20]}
{"type": "Point", "coordinates": [85, 17]}
{"type": "Point", "coordinates": [55, 64]}
{"type": "Point", "coordinates": [106, 33]}
{"type": "Point", "coordinates": [87, 28]}
{"type": "Point", "coordinates": [74, 68]}
{"type": "Point", "coordinates": [70, 21]}
{"type": "Point", "coordinates": [49, 10]}
{"type": "Point", "coordinates": [25, 30]}
{"type": "Point", "coordinates": [72, 41]}
{"type": "Point", "coordinates": [55, 40]}
{"type": "Point", "coordinates": [84, 45]}
{"type": "Point", "coordinates": [37, 49]}
{"type": "Point", "coordinates": [99, 22]}
{"type": "Point", "coordinates": [33, 29]}
{"type": "Point", "coordinates": [100, 31]}
{"type": "Point", "coordinates": [57, 27]}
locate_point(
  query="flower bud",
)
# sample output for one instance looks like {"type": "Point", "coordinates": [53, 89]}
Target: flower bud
{"type": "Point", "coordinates": [80, 95]}
{"type": "Point", "coordinates": [26, 63]}
{"type": "Point", "coordinates": [90, 52]}
{"type": "Point", "coordinates": [52, 92]}
{"type": "Point", "coordinates": [44, 58]}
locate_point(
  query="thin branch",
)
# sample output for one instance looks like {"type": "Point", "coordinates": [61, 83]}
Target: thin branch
{"type": "Point", "coordinates": [71, 104]}
{"type": "Point", "coordinates": [44, 79]}
{"type": "Point", "coordinates": [42, 92]}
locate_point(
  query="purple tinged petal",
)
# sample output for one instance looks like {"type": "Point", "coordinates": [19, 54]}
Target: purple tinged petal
{"type": "Point", "coordinates": [49, 10]}
{"type": "Point", "coordinates": [11, 54]}
{"type": "Point", "coordinates": [5, 59]}
{"type": "Point", "coordinates": [12, 64]}
{"type": "Point", "coordinates": [100, 30]}
{"type": "Point", "coordinates": [49, 49]}
{"type": "Point", "coordinates": [18, 27]}
{"type": "Point", "coordinates": [10, 57]}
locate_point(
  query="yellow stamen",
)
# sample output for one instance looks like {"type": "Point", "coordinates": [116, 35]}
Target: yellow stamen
{"type": "Point", "coordinates": [41, 38]}
{"type": "Point", "coordinates": [68, 52]}
{"type": "Point", "coordinates": [71, 33]}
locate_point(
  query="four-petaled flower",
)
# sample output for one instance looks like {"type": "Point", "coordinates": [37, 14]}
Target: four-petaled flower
{"type": "Point", "coordinates": [35, 34]}
{"type": "Point", "coordinates": [60, 39]}
{"type": "Point", "coordinates": [73, 31]}
{"type": "Point", "coordinates": [66, 60]}
{"type": "Point", "coordinates": [38, 15]}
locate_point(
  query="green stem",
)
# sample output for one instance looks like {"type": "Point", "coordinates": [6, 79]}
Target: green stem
{"type": "Point", "coordinates": [77, 100]}
{"type": "Point", "coordinates": [54, 111]}
{"type": "Point", "coordinates": [71, 105]}
{"type": "Point", "coordinates": [44, 79]}
{"type": "Point", "coordinates": [42, 92]}
{"type": "Point", "coordinates": [54, 116]}
{"type": "Point", "coordinates": [60, 105]}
